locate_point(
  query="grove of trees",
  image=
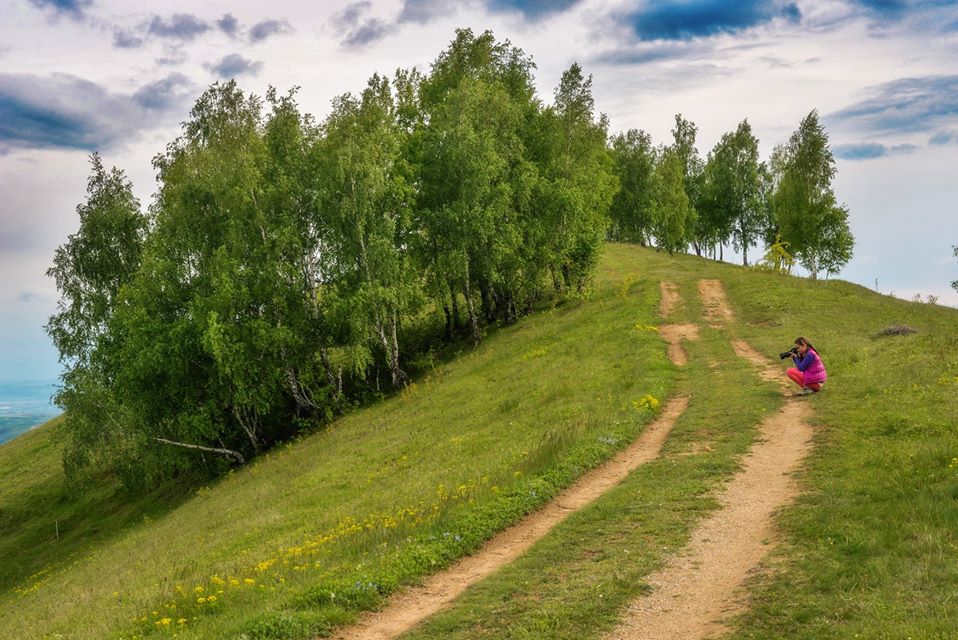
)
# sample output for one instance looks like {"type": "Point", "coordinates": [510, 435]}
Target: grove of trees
{"type": "Point", "coordinates": [733, 198]}
{"type": "Point", "coordinates": [288, 268]}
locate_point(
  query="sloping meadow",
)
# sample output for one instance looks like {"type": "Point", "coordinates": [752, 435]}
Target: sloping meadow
{"type": "Point", "coordinates": [318, 529]}
{"type": "Point", "coordinates": [306, 537]}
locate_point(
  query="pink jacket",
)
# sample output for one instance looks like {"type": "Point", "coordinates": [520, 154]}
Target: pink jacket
{"type": "Point", "coordinates": [811, 365]}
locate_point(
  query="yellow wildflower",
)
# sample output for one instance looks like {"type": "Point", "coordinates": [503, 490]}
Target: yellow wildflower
{"type": "Point", "coordinates": [649, 402]}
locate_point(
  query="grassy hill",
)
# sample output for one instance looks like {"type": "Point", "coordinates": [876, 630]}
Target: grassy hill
{"type": "Point", "coordinates": [305, 537]}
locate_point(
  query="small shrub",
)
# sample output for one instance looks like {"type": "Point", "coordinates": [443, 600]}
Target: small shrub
{"type": "Point", "coordinates": [896, 330]}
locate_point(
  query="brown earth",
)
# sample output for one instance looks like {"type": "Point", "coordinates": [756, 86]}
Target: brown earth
{"type": "Point", "coordinates": [717, 311]}
{"type": "Point", "coordinates": [409, 607]}
{"type": "Point", "coordinates": [669, 298]}
{"type": "Point", "coordinates": [674, 334]}
{"type": "Point", "coordinates": [699, 587]}
{"type": "Point", "coordinates": [768, 372]}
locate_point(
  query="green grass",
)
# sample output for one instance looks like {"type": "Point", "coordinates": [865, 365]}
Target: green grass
{"type": "Point", "coordinates": [325, 526]}
{"type": "Point", "coordinates": [574, 583]}
{"type": "Point", "coordinates": [871, 546]}
{"type": "Point", "coordinates": [869, 549]}
{"type": "Point", "coordinates": [330, 524]}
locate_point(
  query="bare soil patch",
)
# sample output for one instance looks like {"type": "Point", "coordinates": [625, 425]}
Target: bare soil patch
{"type": "Point", "coordinates": [768, 372]}
{"type": "Point", "coordinates": [409, 607]}
{"type": "Point", "coordinates": [669, 298]}
{"type": "Point", "coordinates": [674, 334]}
{"type": "Point", "coordinates": [717, 311]}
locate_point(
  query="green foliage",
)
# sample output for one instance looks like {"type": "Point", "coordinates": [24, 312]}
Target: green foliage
{"type": "Point", "coordinates": [672, 214]}
{"type": "Point", "coordinates": [808, 216]}
{"type": "Point", "coordinates": [287, 263]}
{"type": "Point", "coordinates": [510, 191]}
{"type": "Point", "coordinates": [683, 144]}
{"type": "Point", "coordinates": [90, 270]}
{"type": "Point", "coordinates": [366, 200]}
{"type": "Point", "coordinates": [95, 262]}
{"type": "Point", "coordinates": [732, 190]}
{"type": "Point", "coordinates": [734, 197]}
{"type": "Point", "coordinates": [578, 184]}
{"type": "Point", "coordinates": [777, 258]}
{"type": "Point", "coordinates": [631, 210]}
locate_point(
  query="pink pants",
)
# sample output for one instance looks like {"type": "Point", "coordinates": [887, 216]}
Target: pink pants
{"type": "Point", "coordinates": [798, 377]}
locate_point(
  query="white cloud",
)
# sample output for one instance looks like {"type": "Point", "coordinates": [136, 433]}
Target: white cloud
{"type": "Point", "coordinates": [64, 111]}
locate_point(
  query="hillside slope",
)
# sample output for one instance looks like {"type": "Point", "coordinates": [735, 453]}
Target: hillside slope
{"type": "Point", "coordinates": [302, 539]}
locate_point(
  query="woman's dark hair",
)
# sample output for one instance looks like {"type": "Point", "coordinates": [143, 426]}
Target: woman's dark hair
{"type": "Point", "coordinates": [804, 341]}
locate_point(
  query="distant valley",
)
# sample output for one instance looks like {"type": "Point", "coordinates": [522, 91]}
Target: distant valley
{"type": "Point", "coordinates": [24, 405]}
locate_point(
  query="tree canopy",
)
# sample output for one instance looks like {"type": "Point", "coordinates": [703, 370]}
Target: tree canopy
{"type": "Point", "coordinates": [289, 267]}
{"type": "Point", "coordinates": [809, 218]}
{"type": "Point", "coordinates": [733, 198]}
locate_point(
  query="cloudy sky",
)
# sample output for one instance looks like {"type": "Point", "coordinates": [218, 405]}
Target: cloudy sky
{"type": "Point", "coordinates": [78, 76]}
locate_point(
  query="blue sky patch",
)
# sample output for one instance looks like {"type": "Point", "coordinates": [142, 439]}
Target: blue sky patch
{"type": "Point", "coordinates": [162, 94]}
{"type": "Point", "coordinates": [670, 20]}
{"type": "Point", "coordinates": [63, 111]}
{"type": "Point", "coordinates": [532, 9]}
{"type": "Point", "coordinates": [422, 11]}
{"type": "Point", "coordinates": [39, 126]}
{"type": "Point", "coordinates": [229, 25]}
{"type": "Point", "coordinates": [943, 137]}
{"type": "Point", "coordinates": [870, 150]}
{"type": "Point", "coordinates": [262, 30]}
{"type": "Point", "coordinates": [72, 8]}
{"type": "Point", "coordinates": [123, 39]}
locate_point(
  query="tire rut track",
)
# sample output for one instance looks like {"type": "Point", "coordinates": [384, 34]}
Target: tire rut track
{"type": "Point", "coordinates": [697, 588]}
{"type": "Point", "coordinates": [407, 608]}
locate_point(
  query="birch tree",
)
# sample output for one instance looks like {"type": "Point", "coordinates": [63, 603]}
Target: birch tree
{"type": "Point", "coordinates": [809, 218]}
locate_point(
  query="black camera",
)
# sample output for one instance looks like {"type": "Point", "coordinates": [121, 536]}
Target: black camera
{"type": "Point", "coordinates": [791, 352]}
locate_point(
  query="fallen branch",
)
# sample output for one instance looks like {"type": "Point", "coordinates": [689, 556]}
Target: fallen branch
{"type": "Point", "coordinates": [226, 452]}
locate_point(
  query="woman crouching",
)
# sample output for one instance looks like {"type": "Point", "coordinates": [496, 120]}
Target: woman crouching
{"type": "Point", "coordinates": [809, 371]}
